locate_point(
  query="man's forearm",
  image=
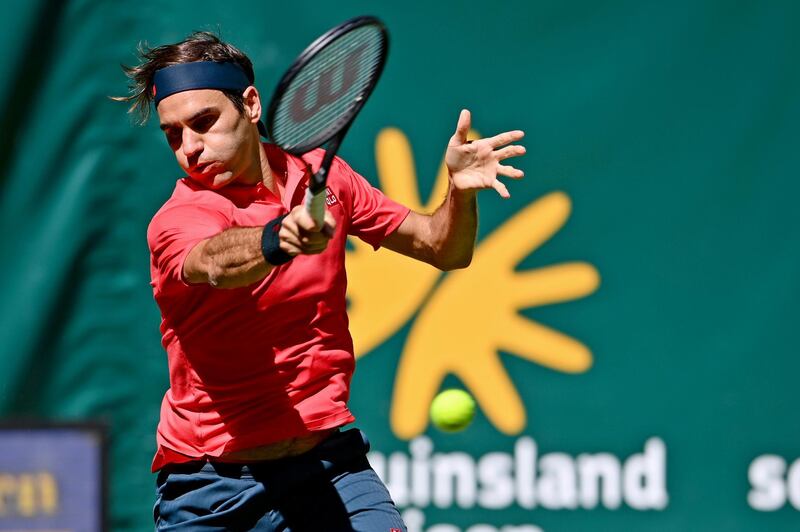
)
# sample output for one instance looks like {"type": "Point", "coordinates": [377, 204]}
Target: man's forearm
{"type": "Point", "coordinates": [231, 259]}
{"type": "Point", "coordinates": [454, 226]}
{"type": "Point", "coordinates": [238, 257]}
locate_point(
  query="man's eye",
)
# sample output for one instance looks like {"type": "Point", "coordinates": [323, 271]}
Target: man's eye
{"type": "Point", "coordinates": [173, 137]}
{"type": "Point", "coordinates": [204, 123]}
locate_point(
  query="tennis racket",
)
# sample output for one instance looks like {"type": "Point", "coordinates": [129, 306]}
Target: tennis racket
{"type": "Point", "coordinates": [320, 95]}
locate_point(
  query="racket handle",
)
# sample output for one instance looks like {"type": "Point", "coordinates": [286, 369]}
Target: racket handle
{"type": "Point", "coordinates": [315, 205]}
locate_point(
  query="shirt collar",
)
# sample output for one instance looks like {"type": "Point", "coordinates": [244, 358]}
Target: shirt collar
{"type": "Point", "coordinates": [293, 172]}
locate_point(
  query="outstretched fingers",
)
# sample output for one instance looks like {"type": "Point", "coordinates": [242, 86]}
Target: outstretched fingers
{"type": "Point", "coordinates": [509, 151]}
{"type": "Point", "coordinates": [464, 122]}
{"type": "Point", "coordinates": [501, 189]}
{"type": "Point", "coordinates": [510, 171]}
{"type": "Point", "coordinates": [506, 138]}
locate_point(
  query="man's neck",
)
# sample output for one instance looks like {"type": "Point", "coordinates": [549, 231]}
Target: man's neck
{"type": "Point", "coordinates": [259, 170]}
{"type": "Point", "coordinates": [267, 175]}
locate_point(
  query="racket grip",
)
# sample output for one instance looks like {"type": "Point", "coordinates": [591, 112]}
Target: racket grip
{"type": "Point", "coordinates": [315, 205]}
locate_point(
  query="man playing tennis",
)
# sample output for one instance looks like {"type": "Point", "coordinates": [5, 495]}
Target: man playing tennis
{"type": "Point", "coordinates": [252, 295]}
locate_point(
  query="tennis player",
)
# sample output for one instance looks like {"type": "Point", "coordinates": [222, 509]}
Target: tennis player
{"type": "Point", "coordinates": [252, 297]}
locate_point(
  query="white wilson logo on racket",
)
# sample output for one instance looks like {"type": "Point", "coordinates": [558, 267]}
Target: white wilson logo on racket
{"type": "Point", "coordinates": [301, 110]}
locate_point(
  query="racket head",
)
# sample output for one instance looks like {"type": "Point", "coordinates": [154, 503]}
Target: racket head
{"type": "Point", "coordinates": [322, 92]}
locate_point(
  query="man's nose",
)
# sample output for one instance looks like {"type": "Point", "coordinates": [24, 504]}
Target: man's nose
{"type": "Point", "coordinates": [192, 142]}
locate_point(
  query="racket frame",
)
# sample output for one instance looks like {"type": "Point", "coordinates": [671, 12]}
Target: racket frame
{"type": "Point", "coordinates": [315, 195]}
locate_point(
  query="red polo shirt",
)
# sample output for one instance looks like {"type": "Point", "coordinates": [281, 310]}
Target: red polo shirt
{"type": "Point", "coordinates": [259, 364]}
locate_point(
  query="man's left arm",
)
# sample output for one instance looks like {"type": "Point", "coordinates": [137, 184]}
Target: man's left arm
{"type": "Point", "coordinates": [446, 238]}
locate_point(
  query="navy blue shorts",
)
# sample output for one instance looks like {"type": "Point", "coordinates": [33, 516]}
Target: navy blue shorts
{"type": "Point", "coordinates": [331, 488]}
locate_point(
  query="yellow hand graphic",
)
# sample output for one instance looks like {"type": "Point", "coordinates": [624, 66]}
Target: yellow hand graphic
{"type": "Point", "coordinates": [386, 288]}
{"type": "Point", "coordinates": [474, 314]}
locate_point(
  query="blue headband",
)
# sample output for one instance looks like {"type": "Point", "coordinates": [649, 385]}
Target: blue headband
{"type": "Point", "coordinates": [198, 75]}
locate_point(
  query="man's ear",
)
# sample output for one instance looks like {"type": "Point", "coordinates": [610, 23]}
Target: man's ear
{"type": "Point", "coordinates": [252, 104]}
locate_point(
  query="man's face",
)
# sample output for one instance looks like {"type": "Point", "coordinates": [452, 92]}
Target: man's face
{"type": "Point", "coordinates": [211, 139]}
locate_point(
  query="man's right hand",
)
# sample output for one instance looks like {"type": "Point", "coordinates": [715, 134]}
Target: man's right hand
{"type": "Point", "coordinates": [300, 234]}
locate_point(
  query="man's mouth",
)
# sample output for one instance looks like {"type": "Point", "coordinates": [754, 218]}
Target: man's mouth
{"type": "Point", "coordinates": [203, 168]}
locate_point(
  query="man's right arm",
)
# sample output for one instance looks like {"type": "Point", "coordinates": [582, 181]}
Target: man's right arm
{"type": "Point", "coordinates": [234, 257]}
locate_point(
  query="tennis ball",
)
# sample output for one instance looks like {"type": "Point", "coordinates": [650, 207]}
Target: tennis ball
{"type": "Point", "coordinates": [452, 410]}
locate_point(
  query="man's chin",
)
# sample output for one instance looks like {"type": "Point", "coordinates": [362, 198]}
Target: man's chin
{"type": "Point", "coordinates": [213, 181]}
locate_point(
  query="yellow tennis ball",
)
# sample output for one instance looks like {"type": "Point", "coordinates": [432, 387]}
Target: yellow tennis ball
{"type": "Point", "coordinates": [452, 410]}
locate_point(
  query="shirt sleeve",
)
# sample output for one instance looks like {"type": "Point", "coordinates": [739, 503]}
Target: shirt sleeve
{"type": "Point", "coordinates": [173, 233]}
{"type": "Point", "coordinates": [374, 216]}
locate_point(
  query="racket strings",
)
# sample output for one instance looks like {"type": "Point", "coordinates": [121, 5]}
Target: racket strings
{"type": "Point", "coordinates": [309, 111]}
{"type": "Point", "coordinates": [328, 90]}
{"type": "Point", "coordinates": [336, 79]}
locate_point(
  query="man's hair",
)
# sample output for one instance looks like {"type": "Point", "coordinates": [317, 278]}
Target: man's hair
{"type": "Point", "coordinates": [199, 46]}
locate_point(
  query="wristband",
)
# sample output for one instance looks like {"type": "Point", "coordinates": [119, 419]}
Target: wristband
{"type": "Point", "coordinates": [271, 244]}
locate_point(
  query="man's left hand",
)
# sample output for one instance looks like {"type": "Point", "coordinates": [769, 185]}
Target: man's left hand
{"type": "Point", "coordinates": [475, 165]}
